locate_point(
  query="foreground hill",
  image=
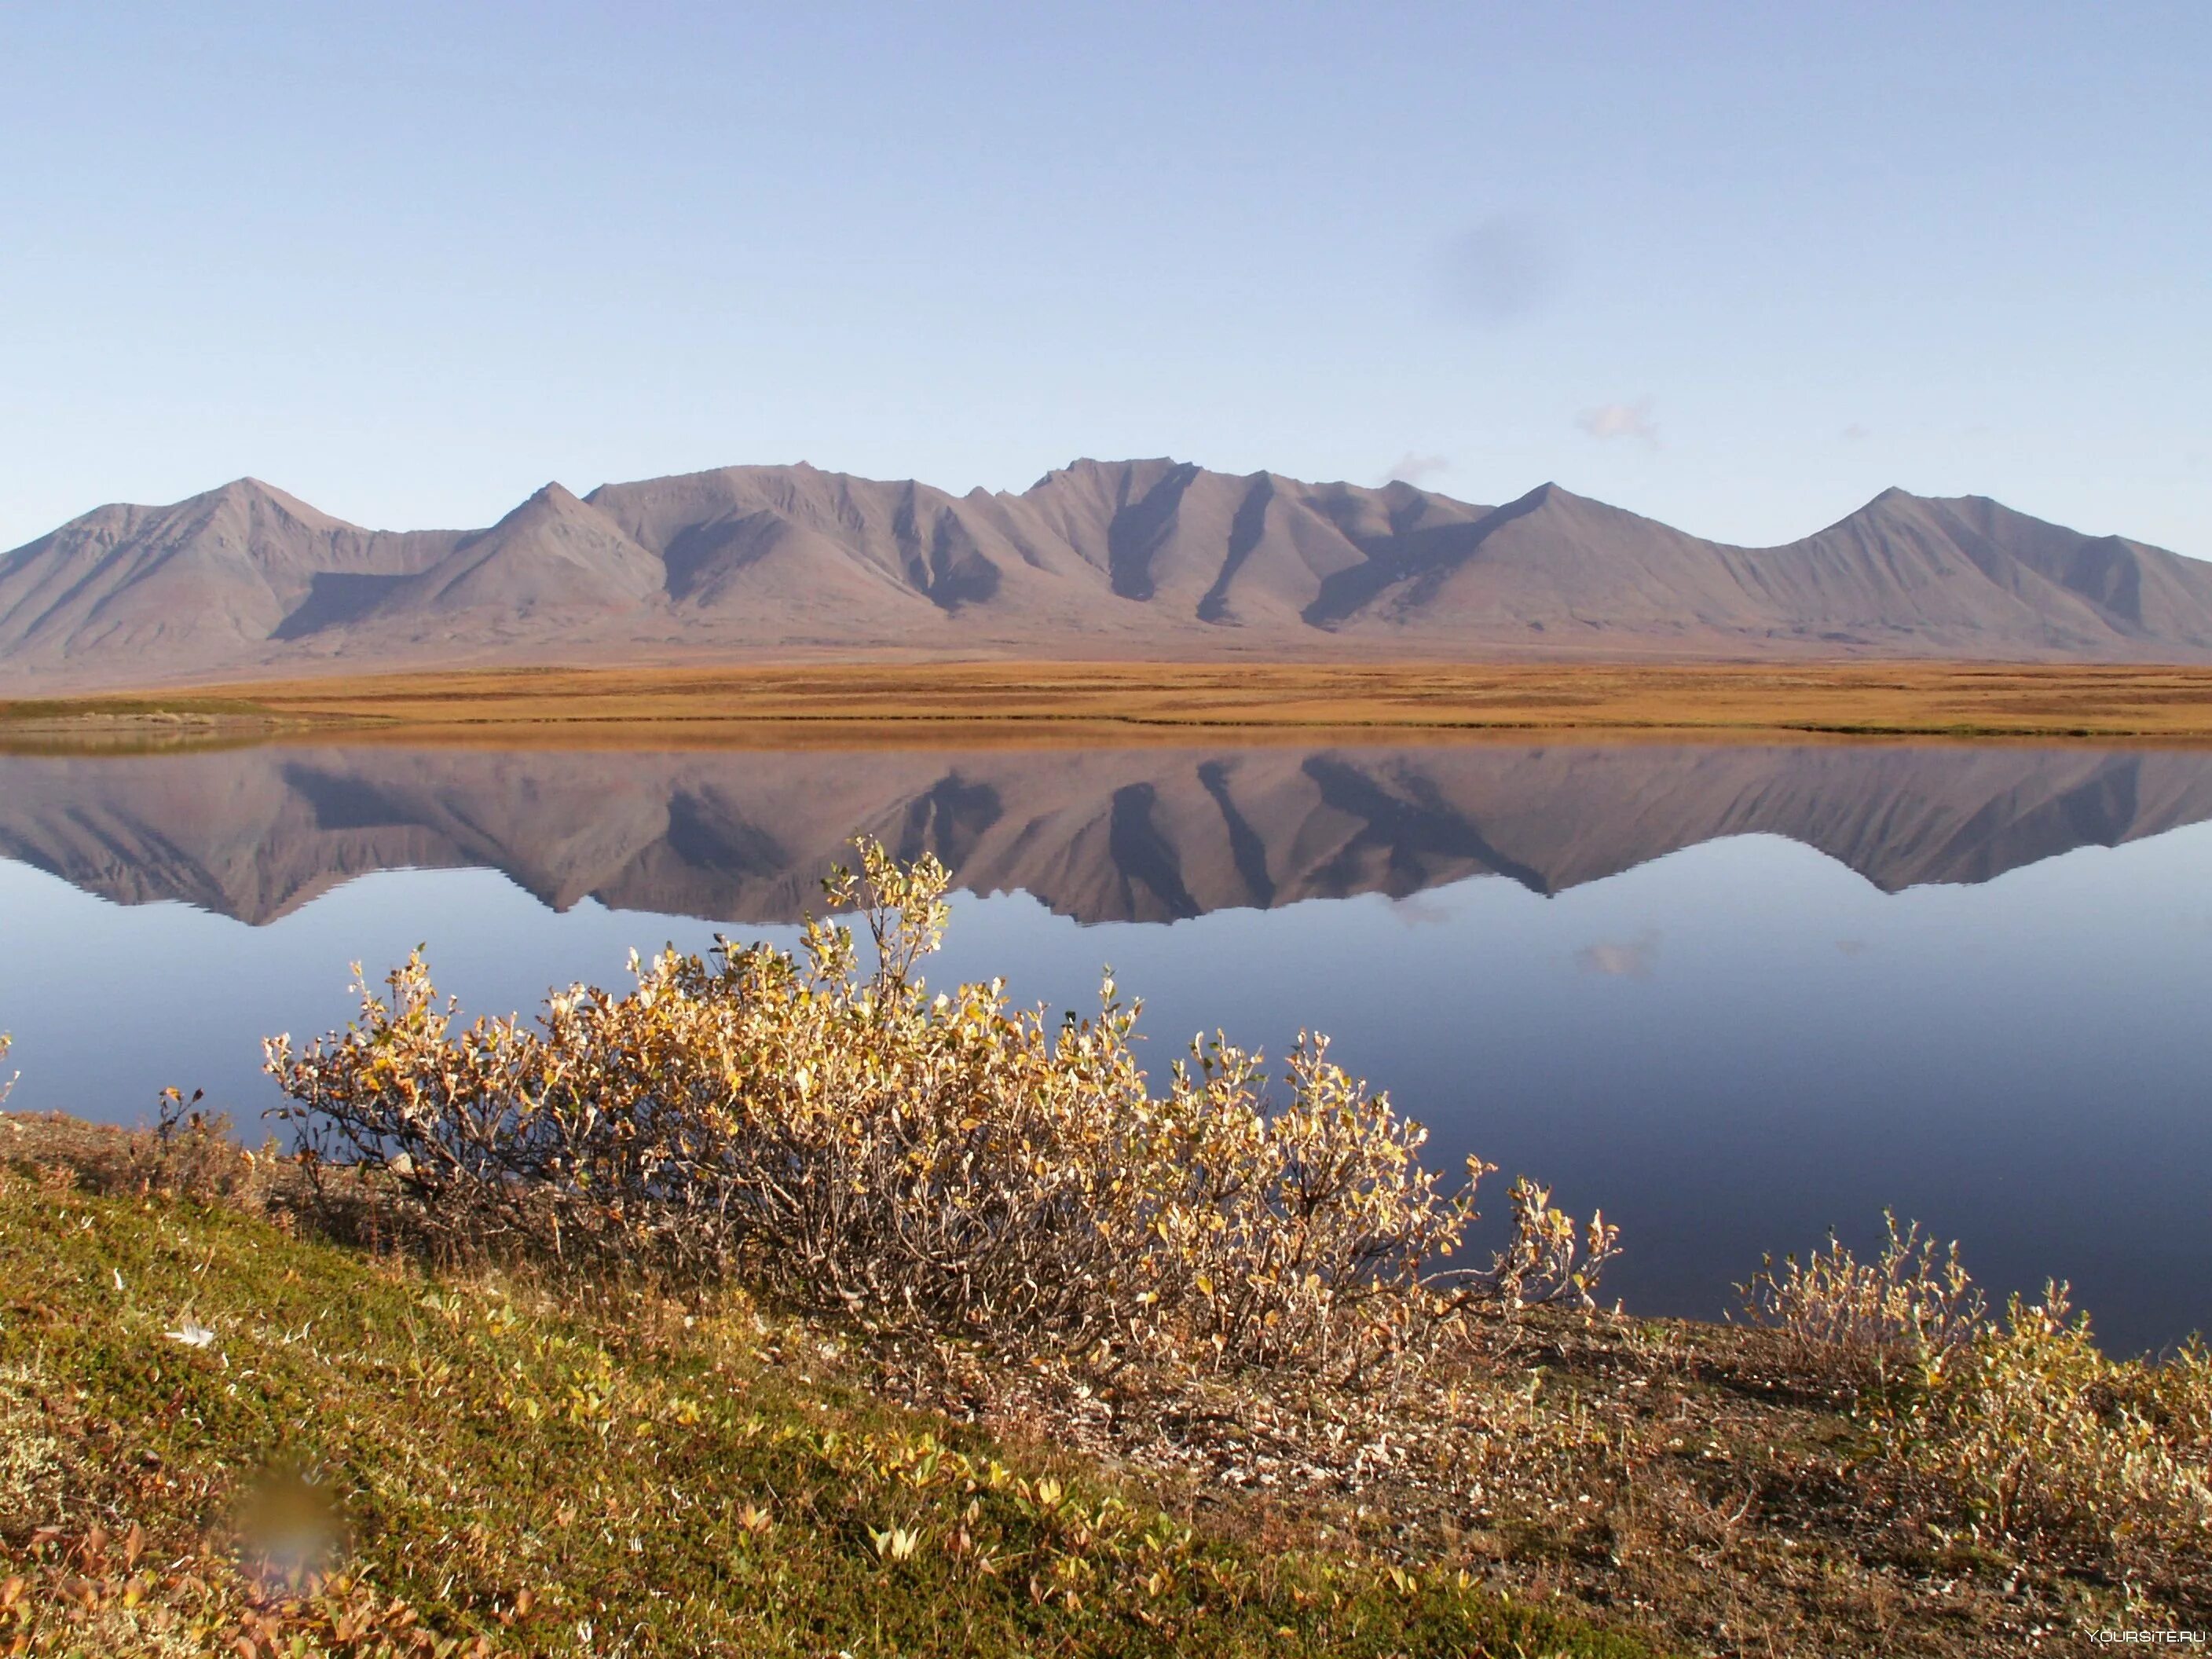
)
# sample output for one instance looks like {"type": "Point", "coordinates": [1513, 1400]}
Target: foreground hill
{"type": "Point", "coordinates": [224, 1428]}
{"type": "Point", "coordinates": [220, 1438]}
{"type": "Point", "coordinates": [1153, 558]}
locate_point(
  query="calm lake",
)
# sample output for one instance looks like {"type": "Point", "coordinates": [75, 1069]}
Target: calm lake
{"type": "Point", "coordinates": [1734, 994]}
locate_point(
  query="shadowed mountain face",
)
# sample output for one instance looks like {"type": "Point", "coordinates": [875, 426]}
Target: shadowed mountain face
{"type": "Point", "coordinates": [1148, 835]}
{"type": "Point", "coordinates": [1130, 559]}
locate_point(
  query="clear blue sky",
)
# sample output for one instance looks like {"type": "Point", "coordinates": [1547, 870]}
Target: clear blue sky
{"type": "Point", "coordinates": [1736, 266]}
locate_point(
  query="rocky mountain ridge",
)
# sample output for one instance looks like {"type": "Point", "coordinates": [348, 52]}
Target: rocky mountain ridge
{"type": "Point", "coordinates": [1140, 559]}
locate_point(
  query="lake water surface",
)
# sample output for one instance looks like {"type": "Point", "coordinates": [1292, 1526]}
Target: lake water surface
{"type": "Point", "coordinates": [1735, 994]}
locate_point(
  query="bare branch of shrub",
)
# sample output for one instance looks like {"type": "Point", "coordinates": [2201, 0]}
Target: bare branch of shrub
{"type": "Point", "coordinates": [1548, 1258]}
{"type": "Point", "coordinates": [192, 1154]}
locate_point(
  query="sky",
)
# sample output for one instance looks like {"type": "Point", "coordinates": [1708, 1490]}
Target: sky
{"type": "Point", "coordinates": [1739, 267]}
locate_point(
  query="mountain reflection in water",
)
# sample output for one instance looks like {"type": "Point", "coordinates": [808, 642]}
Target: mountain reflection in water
{"type": "Point", "coordinates": [1136, 835]}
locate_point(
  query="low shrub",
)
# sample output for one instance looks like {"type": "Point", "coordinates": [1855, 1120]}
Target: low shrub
{"type": "Point", "coordinates": [1837, 1315]}
{"type": "Point", "coordinates": [939, 1161]}
{"type": "Point", "coordinates": [2037, 1436]}
{"type": "Point", "coordinates": [193, 1154]}
{"type": "Point", "coordinates": [2019, 1429]}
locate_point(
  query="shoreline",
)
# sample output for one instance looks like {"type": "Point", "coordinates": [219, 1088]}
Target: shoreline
{"type": "Point", "coordinates": [935, 704]}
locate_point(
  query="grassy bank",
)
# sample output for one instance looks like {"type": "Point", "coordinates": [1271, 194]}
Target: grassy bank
{"type": "Point", "coordinates": [835, 702]}
{"type": "Point", "coordinates": [219, 1423]}
{"type": "Point", "coordinates": [199, 1405]}
{"type": "Point", "coordinates": [137, 724]}
{"type": "Point", "coordinates": [178, 710]}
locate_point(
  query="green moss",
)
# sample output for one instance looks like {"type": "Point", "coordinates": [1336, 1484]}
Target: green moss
{"type": "Point", "coordinates": [677, 1483]}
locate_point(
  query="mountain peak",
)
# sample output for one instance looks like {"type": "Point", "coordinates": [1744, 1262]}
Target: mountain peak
{"type": "Point", "coordinates": [248, 486]}
{"type": "Point", "coordinates": [551, 503]}
{"type": "Point", "coordinates": [256, 499]}
{"type": "Point", "coordinates": [1087, 466]}
{"type": "Point", "coordinates": [1550, 494]}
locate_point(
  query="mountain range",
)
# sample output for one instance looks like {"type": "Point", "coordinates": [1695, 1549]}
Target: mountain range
{"type": "Point", "coordinates": [1138, 559]}
{"type": "Point", "coordinates": [1136, 835]}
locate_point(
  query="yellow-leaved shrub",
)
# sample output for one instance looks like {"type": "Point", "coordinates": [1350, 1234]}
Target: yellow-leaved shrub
{"type": "Point", "coordinates": [2037, 1434]}
{"type": "Point", "coordinates": [2020, 1428]}
{"type": "Point", "coordinates": [1836, 1314]}
{"type": "Point", "coordinates": [944, 1161]}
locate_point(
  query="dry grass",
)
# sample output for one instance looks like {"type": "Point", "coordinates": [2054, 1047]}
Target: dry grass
{"type": "Point", "coordinates": [823, 702]}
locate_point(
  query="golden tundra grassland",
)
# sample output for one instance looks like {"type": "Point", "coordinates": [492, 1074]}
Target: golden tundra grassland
{"type": "Point", "coordinates": [788, 1303]}
{"type": "Point", "coordinates": [825, 701]}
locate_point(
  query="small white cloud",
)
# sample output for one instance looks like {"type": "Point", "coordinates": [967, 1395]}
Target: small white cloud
{"type": "Point", "coordinates": [1410, 468]}
{"type": "Point", "coordinates": [1609, 421]}
{"type": "Point", "coordinates": [1620, 959]}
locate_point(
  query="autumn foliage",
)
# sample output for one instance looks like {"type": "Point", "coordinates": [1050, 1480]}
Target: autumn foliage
{"type": "Point", "coordinates": [822, 1124]}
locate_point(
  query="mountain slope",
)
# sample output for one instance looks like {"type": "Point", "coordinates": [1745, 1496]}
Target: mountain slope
{"type": "Point", "coordinates": [1144, 559]}
{"type": "Point", "coordinates": [207, 581]}
{"type": "Point", "coordinates": [552, 553]}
